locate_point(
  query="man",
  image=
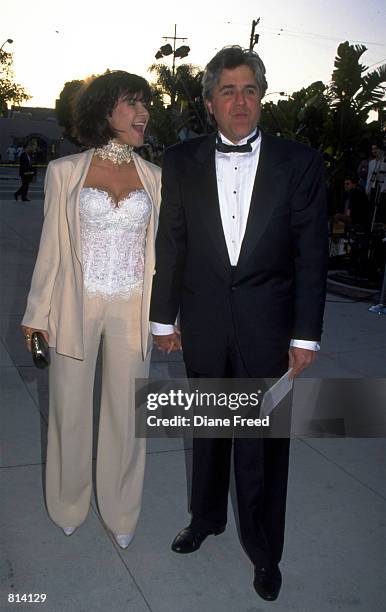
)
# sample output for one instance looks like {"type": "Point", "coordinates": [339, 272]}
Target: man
{"type": "Point", "coordinates": [375, 165]}
{"type": "Point", "coordinates": [356, 206]}
{"type": "Point", "coordinates": [26, 173]}
{"type": "Point", "coordinates": [241, 252]}
{"type": "Point", "coordinates": [376, 184]}
{"type": "Point", "coordinates": [11, 154]}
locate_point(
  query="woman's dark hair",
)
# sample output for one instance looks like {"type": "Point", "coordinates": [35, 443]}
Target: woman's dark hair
{"type": "Point", "coordinates": [95, 101]}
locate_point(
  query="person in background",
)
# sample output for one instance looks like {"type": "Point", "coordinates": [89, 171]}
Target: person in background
{"type": "Point", "coordinates": [375, 165]}
{"type": "Point", "coordinates": [376, 184]}
{"type": "Point", "coordinates": [356, 211]}
{"type": "Point", "coordinates": [26, 173]}
{"type": "Point", "coordinates": [11, 154]}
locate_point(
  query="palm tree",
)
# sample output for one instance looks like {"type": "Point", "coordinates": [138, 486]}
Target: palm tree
{"type": "Point", "coordinates": [183, 89]}
{"type": "Point", "coordinates": [353, 92]}
{"type": "Point", "coordinates": [182, 86]}
{"type": "Point", "coordinates": [165, 81]}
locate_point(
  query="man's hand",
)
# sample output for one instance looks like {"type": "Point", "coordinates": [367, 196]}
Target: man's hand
{"type": "Point", "coordinates": [299, 360]}
{"type": "Point", "coordinates": [27, 333]}
{"type": "Point", "coordinates": [169, 343]}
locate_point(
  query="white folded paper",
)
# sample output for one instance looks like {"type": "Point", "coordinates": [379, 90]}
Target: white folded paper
{"type": "Point", "coordinates": [275, 394]}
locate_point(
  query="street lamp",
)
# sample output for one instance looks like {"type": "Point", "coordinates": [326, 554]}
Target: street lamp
{"type": "Point", "coordinates": [164, 51]}
{"type": "Point", "coordinates": [280, 93]}
{"type": "Point", "coordinates": [9, 41]}
{"type": "Point", "coordinates": [167, 49]}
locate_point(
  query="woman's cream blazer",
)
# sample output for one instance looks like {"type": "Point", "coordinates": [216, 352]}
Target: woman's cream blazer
{"type": "Point", "coordinates": [55, 300]}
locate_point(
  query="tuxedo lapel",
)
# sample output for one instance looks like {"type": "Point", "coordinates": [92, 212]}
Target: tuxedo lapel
{"type": "Point", "coordinates": [265, 195]}
{"type": "Point", "coordinates": [210, 216]}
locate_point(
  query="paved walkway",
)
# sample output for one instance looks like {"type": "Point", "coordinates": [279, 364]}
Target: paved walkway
{"type": "Point", "coordinates": [335, 554]}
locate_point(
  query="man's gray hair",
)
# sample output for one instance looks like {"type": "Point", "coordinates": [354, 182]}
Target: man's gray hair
{"type": "Point", "coordinates": [229, 58]}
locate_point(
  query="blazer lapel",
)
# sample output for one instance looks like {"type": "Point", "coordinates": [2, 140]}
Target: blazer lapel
{"type": "Point", "coordinates": [152, 187]}
{"type": "Point", "coordinates": [76, 183]}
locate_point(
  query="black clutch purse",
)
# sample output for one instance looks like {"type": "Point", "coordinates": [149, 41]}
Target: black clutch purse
{"type": "Point", "coordinates": [40, 351]}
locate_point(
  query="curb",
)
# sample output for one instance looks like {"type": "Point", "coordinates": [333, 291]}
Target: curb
{"type": "Point", "coordinates": [358, 293]}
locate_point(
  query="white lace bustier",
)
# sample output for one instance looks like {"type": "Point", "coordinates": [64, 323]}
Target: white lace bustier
{"type": "Point", "coordinates": [113, 241]}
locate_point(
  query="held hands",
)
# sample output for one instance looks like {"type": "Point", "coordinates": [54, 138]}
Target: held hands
{"type": "Point", "coordinates": [299, 360]}
{"type": "Point", "coordinates": [28, 331]}
{"type": "Point", "coordinates": [168, 343]}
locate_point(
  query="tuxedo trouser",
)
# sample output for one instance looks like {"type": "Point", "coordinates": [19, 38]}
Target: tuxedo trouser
{"type": "Point", "coordinates": [261, 474]}
{"type": "Point", "coordinates": [120, 456]}
{"type": "Point", "coordinates": [23, 190]}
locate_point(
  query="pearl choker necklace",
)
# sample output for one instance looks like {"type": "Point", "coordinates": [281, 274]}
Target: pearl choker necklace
{"type": "Point", "coordinates": [115, 152]}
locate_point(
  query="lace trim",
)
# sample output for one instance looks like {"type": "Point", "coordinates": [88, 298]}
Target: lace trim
{"type": "Point", "coordinates": [113, 242]}
{"type": "Point", "coordinates": [117, 203]}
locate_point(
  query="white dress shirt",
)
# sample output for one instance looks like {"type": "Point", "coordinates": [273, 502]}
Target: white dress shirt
{"type": "Point", "coordinates": [376, 175]}
{"type": "Point", "coordinates": [235, 174]}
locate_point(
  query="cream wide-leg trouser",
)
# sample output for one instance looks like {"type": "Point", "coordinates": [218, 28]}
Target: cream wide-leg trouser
{"type": "Point", "coordinates": [120, 457]}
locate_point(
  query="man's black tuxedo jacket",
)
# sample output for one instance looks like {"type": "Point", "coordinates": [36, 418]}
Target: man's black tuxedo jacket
{"type": "Point", "coordinates": [25, 165]}
{"type": "Point", "coordinates": [277, 291]}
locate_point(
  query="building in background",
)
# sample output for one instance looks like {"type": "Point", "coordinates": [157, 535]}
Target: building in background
{"type": "Point", "coordinates": [38, 127]}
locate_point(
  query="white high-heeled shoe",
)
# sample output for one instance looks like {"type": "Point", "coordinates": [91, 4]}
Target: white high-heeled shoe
{"type": "Point", "coordinates": [123, 539]}
{"type": "Point", "coordinates": [68, 530]}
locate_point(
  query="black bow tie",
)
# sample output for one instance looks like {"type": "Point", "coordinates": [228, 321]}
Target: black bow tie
{"type": "Point", "coordinates": [245, 148]}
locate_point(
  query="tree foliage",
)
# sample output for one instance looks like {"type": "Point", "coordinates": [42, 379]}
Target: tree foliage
{"type": "Point", "coordinates": [331, 117]}
{"type": "Point", "coordinates": [177, 102]}
{"type": "Point", "coordinates": [10, 91]}
{"type": "Point", "coordinates": [64, 108]}
{"type": "Point", "coordinates": [354, 91]}
{"type": "Point", "coordinates": [163, 121]}
{"type": "Point", "coordinates": [304, 116]}
{"type": "Point", "coordinates": [182, 86]}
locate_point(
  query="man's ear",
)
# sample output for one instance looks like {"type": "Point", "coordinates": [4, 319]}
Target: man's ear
{"type": "Point", "coordinates": [209, 106]}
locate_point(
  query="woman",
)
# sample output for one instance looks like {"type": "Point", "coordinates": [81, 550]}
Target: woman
{"type": "Point", "coordinates": [92, 280]}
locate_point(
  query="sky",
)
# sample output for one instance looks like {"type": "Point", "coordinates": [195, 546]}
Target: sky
{"type": "Point", "coordinates": [58, 42]}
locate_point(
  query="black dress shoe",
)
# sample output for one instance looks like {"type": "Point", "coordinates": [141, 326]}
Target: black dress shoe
{"type": "Point", "coordinates": [190, 539]}
{"type": "Point", "coordinates": [267, 582]}
{"type": "Point", "coordinates": [26, 200]}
